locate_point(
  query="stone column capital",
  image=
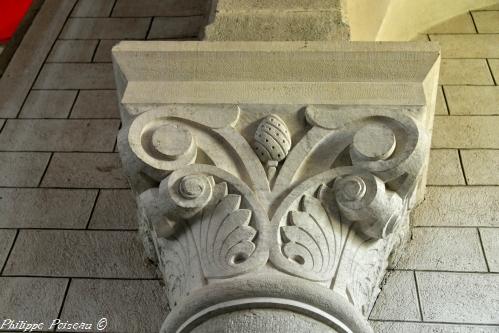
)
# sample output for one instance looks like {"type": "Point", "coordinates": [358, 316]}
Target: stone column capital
{"type": "Point", "coordinates": [275, 180]}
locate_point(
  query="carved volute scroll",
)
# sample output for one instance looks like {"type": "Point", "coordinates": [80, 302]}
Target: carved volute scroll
{"type": "Point", "coordinates": [268, 204]}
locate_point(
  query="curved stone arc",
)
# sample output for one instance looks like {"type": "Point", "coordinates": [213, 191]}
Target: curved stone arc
{"type": "Point", "coordinates": [296, 157]}
{"type": "Point", "coordinates": [261, 222]}
{"type": "Point", "coordinates": [212, 146]}
{"type": "Point", "coordinates": [260, 290]}
{"type": "Point", "coordinates": [407, 159]}
{"type": "Point", "coordinates": [248, 158]}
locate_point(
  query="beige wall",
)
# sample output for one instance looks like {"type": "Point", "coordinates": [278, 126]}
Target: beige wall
{"type": "Point", "coordinates": [402, 20]}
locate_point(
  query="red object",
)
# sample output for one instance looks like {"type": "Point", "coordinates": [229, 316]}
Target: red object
{"type": "Point", "coordinates": [11, 14]}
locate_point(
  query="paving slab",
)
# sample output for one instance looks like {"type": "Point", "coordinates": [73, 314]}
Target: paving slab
{"type": "Point", "coordinates": [465, 132]}
{"type": "Point", "coordinates": [459, 206]}
{"type": "Point", "coordinates": [103, 53]}
{"type": "Point", "coordinates": [459, 297]}
{"type": "Point", "coordinates": [486, 21]}
{"type": "Point", "coordinates": [465, 71]}
{"type": "Point", "coordinates": [106, 28]}
{"type": "Point", "coordinates": [48, 104]}
{"type": "Point", "coordinates": [85, 170]}
{"type": "Point", "coordinates": [490, 240]}
{"type": "Point", "coordinates": [6, 240]}
{"type": "Point", "coordinates": [481, 166]}
{"type": "Point", "coordinates": [115, 209]}
{"type": "Point", "coordinates": [176, 27]}
{"type": "Point", "coordinates": [398, 299]}
{"type": "Point", "coordinates": [19, 294]}
{"type": "Point", "coordinates": [22, 169]}
{"type": "Point", "coordinates": [93, 8]}
{"type": "Point", "coordinates": [444, 249]}
{"type": "Point", "coordinates": [145, 8]}
{"type": "Point", "coordinates": [75, 76]}
{"type": "Point", "coordinates": [401, 327]}
{"type": "Point", "coordinates": [472, 100]}
{"type": "Point", "coordinates": [72, 51]}
{"type": "Point", "coordinates": [468, 45]}
{"type": "Point", "coordinates": [130, 306]}
{"type": "Point", "coordinates": [459, 24]}
{"type": "Point", "coordinates": [79, 253]}
{"type": "Point", "coordinates": [445, 168]}
{"type": "Point", "coordinates": [96, 104]}
{"type": "Point", "coordinates": [23, 69]}
{"type": "Point", "coordinates": [45, 208]}
{"type": "Point", "coordinates": [58, 135]}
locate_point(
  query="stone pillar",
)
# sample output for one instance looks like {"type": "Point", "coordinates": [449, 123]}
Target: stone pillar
{"type": "Point", "coordinates": [274, 179]}
{"type": "Point", "coordinates": [278, 20]}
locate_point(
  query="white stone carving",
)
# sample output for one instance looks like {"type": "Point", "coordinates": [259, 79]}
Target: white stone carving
{"type": "Point", "coordinates": [273, 206]}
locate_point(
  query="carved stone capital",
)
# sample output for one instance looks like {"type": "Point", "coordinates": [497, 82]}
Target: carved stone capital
{"type": "Point", "coordinates": [269, 213]}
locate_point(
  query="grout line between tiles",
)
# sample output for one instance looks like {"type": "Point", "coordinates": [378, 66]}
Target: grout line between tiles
{"type": "Point", "coordinates": [483, 249]}
{"type": "Point", "coordinates": [9, 253]}
{"type": "Point", "coordinates": [420, 308]}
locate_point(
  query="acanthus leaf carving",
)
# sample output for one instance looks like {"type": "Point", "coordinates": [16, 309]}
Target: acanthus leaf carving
{"type": "Point", "coordinates": [309, 240]}
{"type": "Point", "coordinates": [225, 240]}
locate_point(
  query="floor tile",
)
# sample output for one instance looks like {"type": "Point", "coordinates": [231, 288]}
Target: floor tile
{"type": "Point", "coordinates": [96, 104]}
{"type": "Point", "coordinates": [20, 294]}
{"type": "Point", "coordinates": [481, 166]}
{"type": "Point", "coordinates": [93, 8]}
{"type": "Point", "coordinates": [465, 71]}
{"type": "Point", "coordinates": [459, 206]}
{"type": "Point", "coordinates": [48, 104]}
{"type": "Point", "coordinates": [6, 241]}
{"type": "Point", "coordinates": [459, 297]}
{"type": "Point", "coordinates": [76, 76]}
{"type": "Point", "coordinates": [22, 169]}
{"type": "Point", "coordinates": [445, 168]}
{"type": "Point", "coordinates": [463, 100]}
{"type": "Point", "coordinates": [487, 21]}
{"type": "Point", "coordinates": [459, 24]}
{"type": "Point", "coordinates": [468, 45]}
{"type": "Point", "coordinates": [176, 27]}
{"type": "Point", "coordinates": [85, 170]}
{"type": "Point", "coordinates": [146, 8]}
{"type": "Point", "coordinates": [490, 240]}
{"type": "Point", "coordinates": [401, 327]}
{"type": "Point", "coordinates": [130, 306]}
{"type": "Point", "coordinates": [106, 28]}
{"type": "Point", "coordinates": [444, 249]}
{"type": "Point", "coordinates": [115, 209]}
{"type": "Point", "coordinates": [31, 54]}
{"type": "Point", "coordinates": [398, 299]}
{"type": "Point", "coordinates": [79, 253]}
{"type": "Point", "coordinates": [72, 51]}
{"type": "Point", "coordinates": [103, 53]}
{"type": "Point", "coordinates": [59, 135]}
{"type": "Point", "coordinates": [465, 132]}
{"type": "Point", "coordinates": [45, 208]}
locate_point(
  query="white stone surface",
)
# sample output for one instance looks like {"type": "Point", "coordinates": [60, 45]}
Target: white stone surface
{"type": "Point", "coordinates": [246, 190]}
